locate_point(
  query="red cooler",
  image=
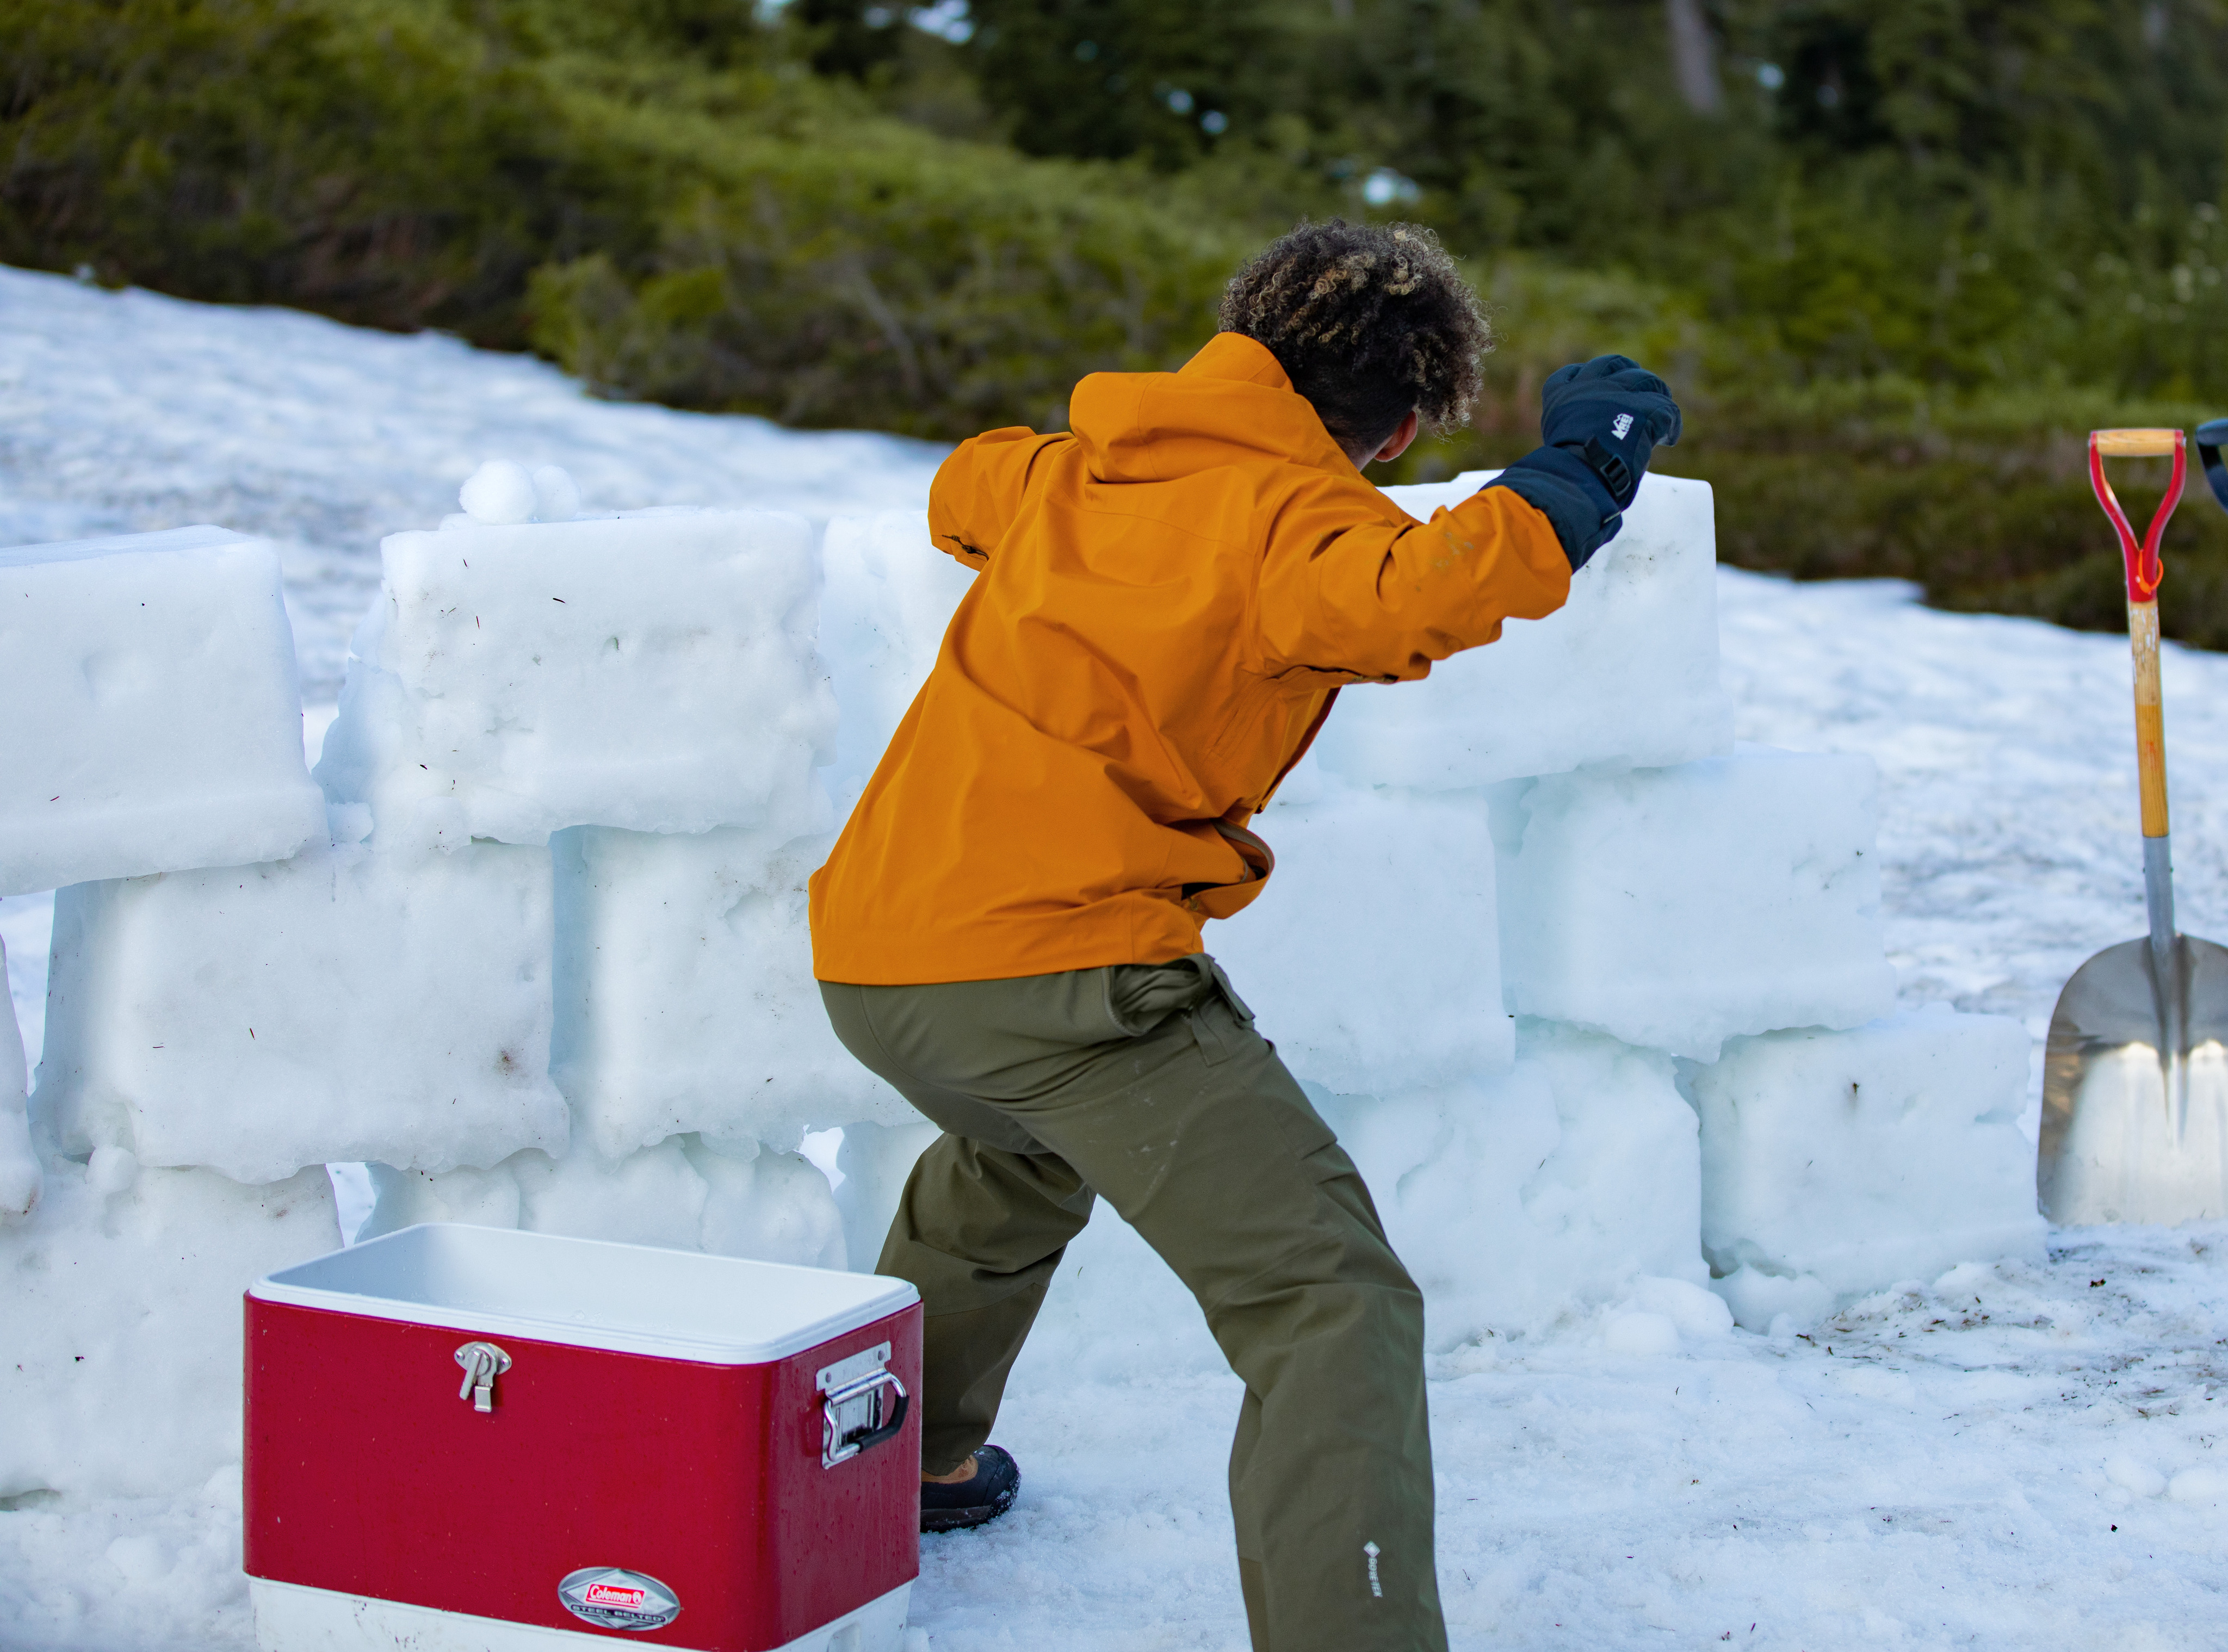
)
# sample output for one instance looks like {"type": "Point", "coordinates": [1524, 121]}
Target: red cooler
{"type": "Point", "coordinates": [469, 1440]}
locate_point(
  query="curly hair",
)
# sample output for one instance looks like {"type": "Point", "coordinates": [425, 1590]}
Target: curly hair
{"type": "Point", "coordinates": [1369, 321]}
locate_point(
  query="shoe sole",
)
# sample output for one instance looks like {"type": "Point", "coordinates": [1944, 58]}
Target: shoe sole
{"type": "Point", "coordinates": [961, 1519]}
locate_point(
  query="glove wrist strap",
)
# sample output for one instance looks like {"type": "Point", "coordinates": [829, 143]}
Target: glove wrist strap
{"type": "Point", "coordinates": [1616, 474]}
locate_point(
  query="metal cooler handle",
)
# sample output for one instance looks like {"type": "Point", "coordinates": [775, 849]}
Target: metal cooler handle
{"type": "Point", "coordinates": [843, 1386]}
{"type": "Point", "coordinates": [839, 1446]}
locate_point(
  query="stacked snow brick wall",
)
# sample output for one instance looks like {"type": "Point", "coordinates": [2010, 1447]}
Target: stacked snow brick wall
{"type": "Point", "coordinates": [637, 701]}
{"type": "Point", "coordinates": [153, 730]}
{"type": "Point", "coordinates": [1575, 980]}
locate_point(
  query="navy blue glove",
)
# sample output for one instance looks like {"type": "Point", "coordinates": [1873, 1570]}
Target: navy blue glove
{"type": "Point", "coordinates": [1611, 413]}
{"type": "Point", "coordinates": [1599, 422]}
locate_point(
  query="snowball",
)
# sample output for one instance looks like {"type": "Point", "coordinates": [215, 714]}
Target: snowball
{"type": "Point", "coordinates": [111, 1169]}
{"type": "Point", "coordinates": [1857, 1159]}
{"type": "Point", "coordinates": [123, 1312]}
{"type": "Point", "coordinates": [1372, 958]}
{"type": "Point", "coordinates": [556, 496]}
{"type": "Point", "coordinates": [653, 671]}
{"type": "Point", "coordinates": [2203, 1484]}
{"type": "Point", "coordinates": [889, 595]}
{"type": "Point", "coordinates": [342, 1005]}
{"type": "Point", "coordinates": [153, 719]}
{"type": "Point", "coordinates": [19, 1166]}
{"type": "Point", "coordinates": [733, 1199]}
{"type": "Point", "coordinates": [2134, 1475]}
{"type": "Point", "coordinates": [497, 494]}
{"type": "Point", "coordinates": [1773, 1303]}
{"type": "Point", "coordinates": [1677, 907]}
{"type": "Point", "coordinates": [1626, 671]}
{"type": "Point", "coordinates": [687, 996]}
{"type": "Point", "coordinates": [1692, 1309]}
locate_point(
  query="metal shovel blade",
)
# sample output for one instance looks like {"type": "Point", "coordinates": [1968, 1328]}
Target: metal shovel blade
{"type": "Point", "coordinates": [2134, 1086]}
{"type": "Point", "coordinates": [2134, 1089]}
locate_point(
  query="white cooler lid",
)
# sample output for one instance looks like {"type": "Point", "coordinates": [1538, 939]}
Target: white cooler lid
{"type": "Point", "coordinates": [631, 1299]}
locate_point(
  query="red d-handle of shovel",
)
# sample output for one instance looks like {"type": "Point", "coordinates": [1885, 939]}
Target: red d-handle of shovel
{"type": "Point", "coordinates": [2145, 571]}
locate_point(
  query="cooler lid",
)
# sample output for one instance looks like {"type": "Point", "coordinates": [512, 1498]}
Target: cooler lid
{"type": "Point", "coordinates": [630, 1298]}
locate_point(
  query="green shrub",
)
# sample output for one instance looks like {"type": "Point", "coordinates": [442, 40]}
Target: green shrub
{"type": "Point", "coordinates": [708, 228]}
{"type": "Point", "coordinates": [382, 169]}
{"type": "Point", "coordinates": [912, 293]}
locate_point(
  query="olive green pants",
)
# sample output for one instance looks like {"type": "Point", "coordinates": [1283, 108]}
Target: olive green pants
{"type": "Point", "coordinates": [1147, 1085]}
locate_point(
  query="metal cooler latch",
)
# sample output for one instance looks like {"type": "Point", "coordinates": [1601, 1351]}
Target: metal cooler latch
{"type": "Point", "coordinates": [484, 1362]}
{"type": "Point", "coordinates": [863, 1404]}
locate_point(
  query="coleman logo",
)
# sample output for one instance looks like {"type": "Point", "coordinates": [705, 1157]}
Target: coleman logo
{"type": "Point", "coordinates": [612, 1597]}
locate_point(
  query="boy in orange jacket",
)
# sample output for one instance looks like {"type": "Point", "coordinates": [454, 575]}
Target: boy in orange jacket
{"type": "Point", "coordinates": [1168, 598]}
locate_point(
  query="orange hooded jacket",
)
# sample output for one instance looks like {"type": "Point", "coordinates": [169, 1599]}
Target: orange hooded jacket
{"type": "Point", "coordinates": [1168, 600]}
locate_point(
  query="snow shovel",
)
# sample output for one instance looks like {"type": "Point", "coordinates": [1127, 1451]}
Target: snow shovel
{"type": "Point", "coordinates": [2134, 1089]}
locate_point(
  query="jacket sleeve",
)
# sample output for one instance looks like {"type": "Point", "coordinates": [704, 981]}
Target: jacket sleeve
{"type": "Point", "coordinates": [1346, 585]}
{"type": "Point", "coordinates": [977, 490]}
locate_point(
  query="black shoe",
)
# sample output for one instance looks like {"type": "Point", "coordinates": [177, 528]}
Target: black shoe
{"type": "Point", "coordinates": [971, 1502]}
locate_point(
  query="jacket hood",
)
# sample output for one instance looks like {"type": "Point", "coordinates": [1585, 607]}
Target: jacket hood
{"type": "Point", "coordinates": [1229, 402]}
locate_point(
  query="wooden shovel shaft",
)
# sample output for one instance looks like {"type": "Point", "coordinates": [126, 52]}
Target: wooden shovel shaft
{"type": "Point", "coordinates": [2150, 718]}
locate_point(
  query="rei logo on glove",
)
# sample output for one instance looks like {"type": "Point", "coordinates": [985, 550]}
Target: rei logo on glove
{"type": "Point", "coordinates": [1620, 425]}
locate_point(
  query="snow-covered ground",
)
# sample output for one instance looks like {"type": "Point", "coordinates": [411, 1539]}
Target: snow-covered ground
{"type": "Point", "coordinates": [2007, 1456]}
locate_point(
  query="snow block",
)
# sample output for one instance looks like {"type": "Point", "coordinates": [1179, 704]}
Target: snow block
{"type": "Point", "coordinates": [121, 1295]}
{"type": "Point", "coordinates": [1524, 1201]}
{"type": "Point", "coordinates": [153, 721]}
{"type": "Point", "coordinates": [343, 1005]}
{"type": "Point", "coordinates": [1676, 908]}
{"type": "Point", "coordinates": [1838, 1163]}
{"type": "Point", "coordinates": [733, 1199]}
{"type": "Point", "coordinates": [19, 1166]}
{"type": "Point", "coordinates": [1625, 672]}
{"type": "Point", "coordinates": [653, 670]}
{"type": "Point", "coordinates": [889, 596]}
{"type": "Point", "coordinates": [1517, 1203]}
{"type": "Point", "coordinates": [1372, 958]}
{"type": "Point", "coordinates": [685, 999]}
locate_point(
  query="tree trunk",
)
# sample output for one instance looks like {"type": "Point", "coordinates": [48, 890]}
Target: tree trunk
{"type": "Point", "coordinates": [1694, 57]}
